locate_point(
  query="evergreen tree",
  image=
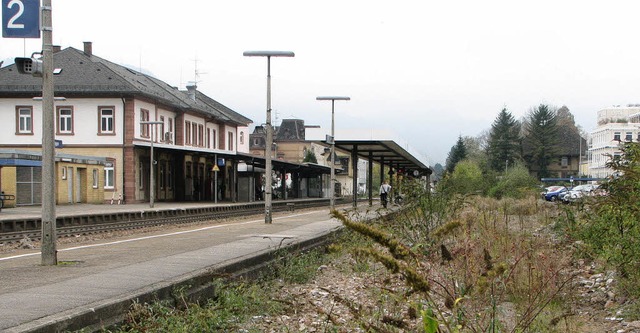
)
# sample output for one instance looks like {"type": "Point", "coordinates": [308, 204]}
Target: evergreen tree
{"type": "Point", "coordinates": [541, 139]}
{"type": "Point", "coordinates": [310, 157]}
{"type": "Point", "coordinates": [438, 171]}
{"type": "Point", "coordinates": [503, 146]}
{"type": "Point", "coordinates": [458, 153]}
{"type": "Point", "coordinates": [572, 142]}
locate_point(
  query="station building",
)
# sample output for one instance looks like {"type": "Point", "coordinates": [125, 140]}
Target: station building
{"type": "Point", "coordinates": [101, 109]}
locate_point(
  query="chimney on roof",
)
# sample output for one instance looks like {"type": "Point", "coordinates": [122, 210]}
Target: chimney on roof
{"type": "Point", "coordinates": [88, 48]}
{"type": "Point", "coordinates": [56, 48]}
{"type": "Point", "coordinates": [191, 90]}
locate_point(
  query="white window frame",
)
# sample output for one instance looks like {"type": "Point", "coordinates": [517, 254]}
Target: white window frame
{"type": "Point", "coordinates": [96, 178]}
{"type": "Point", "coordinates": [109, 176]}
{"type": "Point", "coordinates": [107, 122]}
{"type": "Point", "coordinates": [65, 121]}
{"type": "Point", "coordinates": [25, 121]}
{"type": "Point", "coordinates": [144, 128]}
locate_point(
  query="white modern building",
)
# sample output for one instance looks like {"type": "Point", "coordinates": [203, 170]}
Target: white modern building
{"type": "Point", "coordinates": [616, 124]}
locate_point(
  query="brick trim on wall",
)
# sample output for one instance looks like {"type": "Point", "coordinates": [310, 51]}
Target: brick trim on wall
{"type": "Point", "coordinates": [129, 157]}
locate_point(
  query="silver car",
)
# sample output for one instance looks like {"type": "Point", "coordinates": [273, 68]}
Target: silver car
{"type": "Point", "coordinates": [578, 192]}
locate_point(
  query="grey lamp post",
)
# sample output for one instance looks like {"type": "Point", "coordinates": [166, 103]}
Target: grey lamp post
{"type": "Point", "coordinates": [152, 182]}
{"type": "Point", "coordinates": [267, 152]}
{"type": "Point", "coordinates": [333, 99]}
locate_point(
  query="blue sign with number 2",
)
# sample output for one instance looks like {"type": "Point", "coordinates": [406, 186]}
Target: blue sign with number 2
{"type": "Point", "coordinates": [21, 18]}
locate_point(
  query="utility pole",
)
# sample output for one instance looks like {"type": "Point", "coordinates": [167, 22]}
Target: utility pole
{"type": "Point", "coordinates": [49, 237]}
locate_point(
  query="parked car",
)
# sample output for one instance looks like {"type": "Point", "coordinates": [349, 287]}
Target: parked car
{"type": "Point", "coordinates": [578, 192]}
{"type": "Point", "coordinates": [553, 193]}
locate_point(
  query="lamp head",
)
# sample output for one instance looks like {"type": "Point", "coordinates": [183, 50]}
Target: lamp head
{"type": "Point", "coordinates": [268, 54]}
{"type": "Point", "coordinates": [333, 98]}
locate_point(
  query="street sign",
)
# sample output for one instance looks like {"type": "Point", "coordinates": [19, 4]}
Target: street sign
{"type": "Point", "coordinates": [21, 18]}
{"type": "Point", "coordinates": [329, 139]}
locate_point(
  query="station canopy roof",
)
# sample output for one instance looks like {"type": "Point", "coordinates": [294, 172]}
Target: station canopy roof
{"type": "Point", "coordinates": [14, 157]}
{"type": "Point", "coordinates": [384, 146]}
{"type": "Point", "coordinates": [259, 162]}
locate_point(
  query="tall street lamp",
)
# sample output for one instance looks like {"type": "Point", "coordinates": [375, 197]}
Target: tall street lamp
{"type": "Point", "coordinates": [333, 99]}
{"type": "Point", "coordinates": [267, 153]}
{"type": "Point", "coordinates": [152, 182]}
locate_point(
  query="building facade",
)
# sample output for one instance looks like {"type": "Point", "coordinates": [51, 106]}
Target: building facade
{"type": "Point", "coordinates": [293, 175]}
{"type": "Point", "coordinates": [615, 125]}
{"type": "Point", "coordinates": [290, 145]}
{"type": "Point", "coordinates": [101, 111]}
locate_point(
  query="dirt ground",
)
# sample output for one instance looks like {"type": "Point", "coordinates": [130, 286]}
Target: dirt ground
{"type": "Point", "coordinates": [329, 300]}
{"type": "Point", "coordinates": [337, 298]}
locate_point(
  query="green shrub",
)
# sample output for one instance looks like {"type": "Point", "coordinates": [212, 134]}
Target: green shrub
{"type": "Point", "coordinates": [235, 302]}
{"type": "Point", "coordinates": [467, 178]}
{"type": "Point", "coordinates": [612, 229]}
{"type": "Point", "coordinates": [516, 183]}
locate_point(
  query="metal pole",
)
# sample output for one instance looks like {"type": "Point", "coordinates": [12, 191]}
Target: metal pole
{"type": "Point", "coordinates": [152, 183]}
{"type": "Point", "coordinates": [332, 190]}
{"type": "Point", "coordinates": [579, 153]}
{"type": "Point", "coordinates": [48, 249]}
{"type": "Point", "coordinates": [215, 179]}
{"type": "Point", "coordinates": [354, 171]}
{"type": "Point", "coordinates": [267, 148]}
{"type": "Point", "coordinates": [332, 185]}
{"type": "Point", "coordinates": [370, 179]}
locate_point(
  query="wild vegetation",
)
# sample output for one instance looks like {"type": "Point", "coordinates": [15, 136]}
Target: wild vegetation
{"type": "Point", "coordinates": [444, 264]}
{"type": "Point", "coordinates": [610, 225]}
{"type": "Point", "coordinates": [452, 260]}
{"type": "Point", "coordinates": [480, 265]}
{"type": "Point", "coordinates": [539, 139]}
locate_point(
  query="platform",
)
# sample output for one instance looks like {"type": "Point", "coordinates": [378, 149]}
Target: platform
{"type": "Point", "coordinates": [101, 279]}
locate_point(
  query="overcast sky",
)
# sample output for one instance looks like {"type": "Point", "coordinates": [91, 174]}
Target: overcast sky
{"type": "Point", "coordinates": [428, 70]}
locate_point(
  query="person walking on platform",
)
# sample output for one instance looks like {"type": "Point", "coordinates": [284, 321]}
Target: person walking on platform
{"type": "Point", "coordinates": [384, 192]}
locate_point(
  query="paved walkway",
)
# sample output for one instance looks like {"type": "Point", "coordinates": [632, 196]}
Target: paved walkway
{"type": "Point", "coordinates": [105, 275]}
{"type": "Point", "coordinates": [81, 208]}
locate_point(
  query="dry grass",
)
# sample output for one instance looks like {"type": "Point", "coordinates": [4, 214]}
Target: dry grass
{"type": "Point", "coordinates": [493, 266]}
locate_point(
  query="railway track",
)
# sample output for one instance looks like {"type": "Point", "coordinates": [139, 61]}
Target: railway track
{"type": "Point", "coordinates": [16, 230]}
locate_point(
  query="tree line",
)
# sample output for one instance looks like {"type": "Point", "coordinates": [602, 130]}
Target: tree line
{"type": "Point", "coordinates": [529, 145]}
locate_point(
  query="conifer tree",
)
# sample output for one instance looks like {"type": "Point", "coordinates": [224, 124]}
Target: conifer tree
{"type": "Point", "coordinates": [458, 153]}
{"type": "Point", "coordinates": [310, 157]}
{"type": "Point", "coordinates": [541, 139]}
{"type": "Point", "coordinates": [503, 146]}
